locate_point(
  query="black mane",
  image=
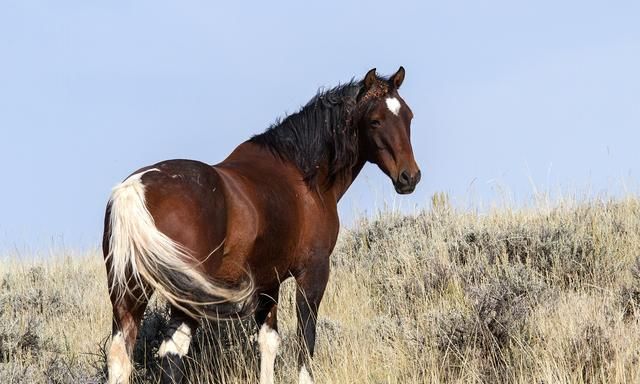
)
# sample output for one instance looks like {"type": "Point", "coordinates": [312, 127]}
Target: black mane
{"type": "Point", "coordinates": [322, 132]}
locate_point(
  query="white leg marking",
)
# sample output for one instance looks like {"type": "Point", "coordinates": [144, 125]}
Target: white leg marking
{"type": "Point", "coordinates": [179, 342]}
{"type": "Point", "coordinates": [269, 341]}
{"type": "Point", "coordinates": [394, 105]}
{"type": "Point", "coordinates": [304, 377]}
{"type": "Point", "coordinates": [118, 363]}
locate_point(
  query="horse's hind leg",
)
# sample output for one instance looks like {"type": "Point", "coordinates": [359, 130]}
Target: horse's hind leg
{"type": "Point", "coordinates": [268, 338]}
{"type": "Point", "coordinates": [128, 309]}
{"type": "Point", "coordinates": [127, 313]}
{"type": "Point", "coordinates": [175, 346]}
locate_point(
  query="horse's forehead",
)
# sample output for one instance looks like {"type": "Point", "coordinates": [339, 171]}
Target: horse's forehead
{"type": "Point", "coordinates": [388, 98]}
{"type": "Point", "coordinates": [393, 104]}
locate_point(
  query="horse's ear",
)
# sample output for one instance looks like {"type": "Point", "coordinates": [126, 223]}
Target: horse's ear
{"type": "Point", "coordinates": [397, 78]}
{"type": "Point", "coordinates": [370, 78]}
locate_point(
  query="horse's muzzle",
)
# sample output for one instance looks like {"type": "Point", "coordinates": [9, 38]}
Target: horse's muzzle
{"type": "Point", "coordinates": [406, 182]}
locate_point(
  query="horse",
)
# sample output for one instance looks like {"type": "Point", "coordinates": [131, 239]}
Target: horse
{"type": "Point", "coordinates": [217, 240]}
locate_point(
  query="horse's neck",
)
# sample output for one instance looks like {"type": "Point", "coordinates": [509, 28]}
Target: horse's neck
{"type": "Point", "coordinates": [342, 184]}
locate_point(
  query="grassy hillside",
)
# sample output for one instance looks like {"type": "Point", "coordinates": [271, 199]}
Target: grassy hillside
{"type": "Point", "coordinates": [546, 295]}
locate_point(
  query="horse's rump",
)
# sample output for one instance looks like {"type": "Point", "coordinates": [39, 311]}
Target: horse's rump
{"type": "Point", "coordinates": [143, 259]}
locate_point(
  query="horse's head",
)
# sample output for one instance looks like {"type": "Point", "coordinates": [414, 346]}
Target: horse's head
{"type": "Point", "coordinates": [385, 130]}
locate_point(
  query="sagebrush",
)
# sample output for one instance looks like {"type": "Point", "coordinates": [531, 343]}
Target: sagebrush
{"type": "Point", "coordinates": [547, 294]}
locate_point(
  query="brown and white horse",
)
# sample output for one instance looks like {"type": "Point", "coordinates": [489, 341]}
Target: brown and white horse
{"type": "Point", "coordinates": [217, 241]}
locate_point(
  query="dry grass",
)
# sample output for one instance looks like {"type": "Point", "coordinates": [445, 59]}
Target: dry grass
{"type": "Point", "coordinates": [545, 295]}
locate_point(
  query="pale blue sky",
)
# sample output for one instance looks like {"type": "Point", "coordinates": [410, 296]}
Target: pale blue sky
{"type": "Point", "coordinates": [505, 94]}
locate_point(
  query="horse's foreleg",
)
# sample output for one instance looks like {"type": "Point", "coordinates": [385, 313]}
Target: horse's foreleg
{"type": "Point", "coordinates": [311, 285]}
{"type": "Point", "coordinates": [175, 346]}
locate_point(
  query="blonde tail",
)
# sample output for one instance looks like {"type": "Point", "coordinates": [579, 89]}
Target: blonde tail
{"type": "Point", "coordinates": [141, 256]}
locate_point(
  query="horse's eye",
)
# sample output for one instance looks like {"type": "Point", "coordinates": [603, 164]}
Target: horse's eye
{"type": "Point", "coordinates": [375, 123]}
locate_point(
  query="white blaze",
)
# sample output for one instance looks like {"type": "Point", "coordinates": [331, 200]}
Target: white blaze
{"type": "Point", "coordinates": [394, 105]}
{"type": "Point", "coordinates": [118, 363]}
{"type": "Point", "coordinates": [179, 342]}
{"type": "Point", "coordinates": [269, 341]}
{"type": "Point", "coordinates": [304, 377]}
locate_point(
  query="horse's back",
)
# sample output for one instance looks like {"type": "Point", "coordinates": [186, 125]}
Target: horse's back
{"type": "Point", "coordinates": [238, 208]}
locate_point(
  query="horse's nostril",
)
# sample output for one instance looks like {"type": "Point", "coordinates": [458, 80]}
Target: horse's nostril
{"type": "Point", "coordinates": [405, 178]}
{"type": "Point", "coordinates": [418, 176]}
